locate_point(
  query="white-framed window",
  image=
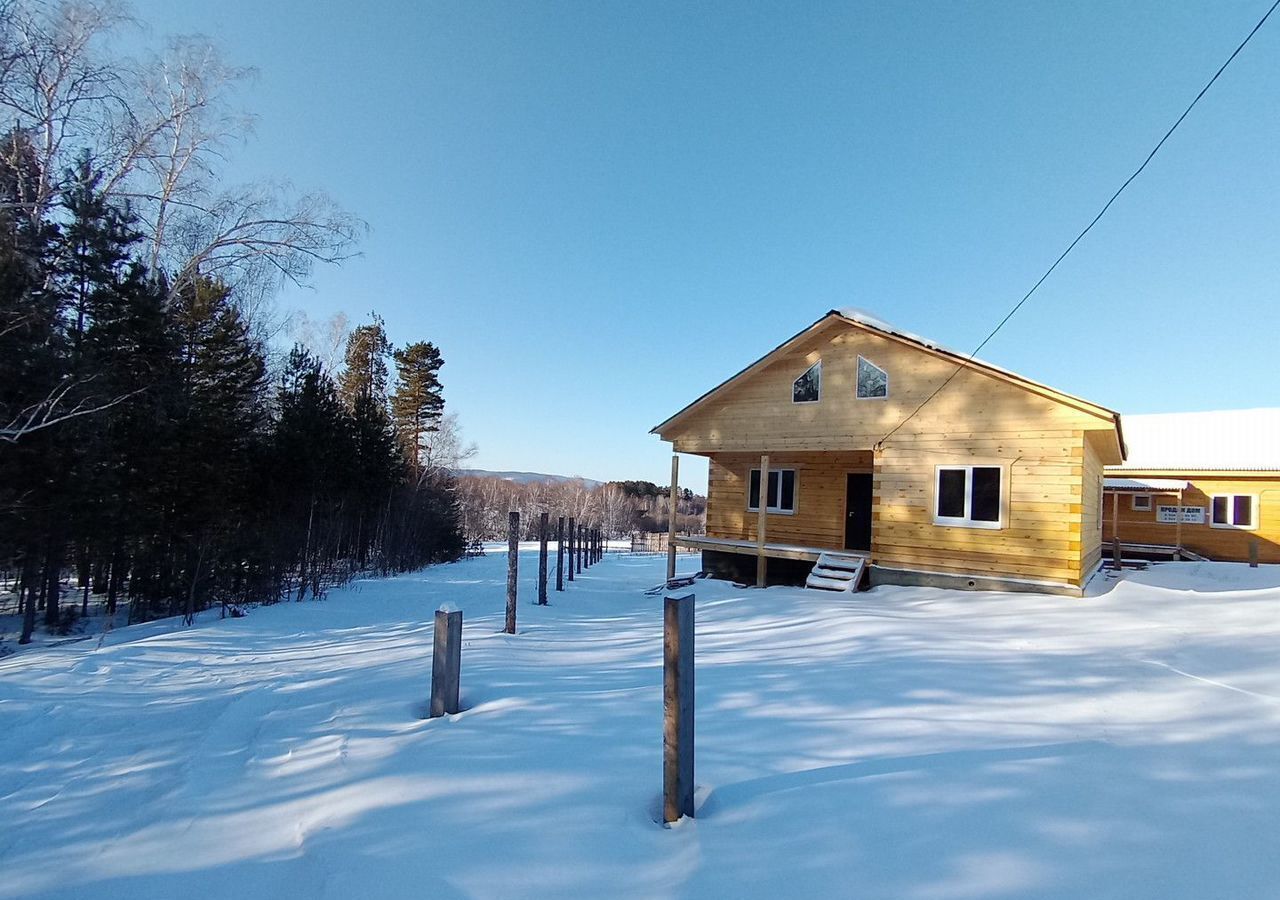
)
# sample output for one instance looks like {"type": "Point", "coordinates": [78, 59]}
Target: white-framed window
{"type": "Point", "coordinates": [873, 381]}
{"type": "Point", "coordinates": [968, 496]}
{"type": "Point", "coordinates": [1141, 502]}
{"type": "Point", "coordinates": [780, 493]}
{"type": "Point", "coordinates": [1235, 511]}
{"type": "Point", "coordinates": [808, 387]}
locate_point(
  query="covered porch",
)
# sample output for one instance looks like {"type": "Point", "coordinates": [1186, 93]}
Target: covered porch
{"type": "Point", "coordinates": [770, 550]}
{"type": "Point", "coordinates": [1113, 526]}
{"type": "Point", "coordinates": [772, 515]}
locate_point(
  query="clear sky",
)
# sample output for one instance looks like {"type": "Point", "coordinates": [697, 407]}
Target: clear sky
{"type": "Point", "coordinates": [599, 210]}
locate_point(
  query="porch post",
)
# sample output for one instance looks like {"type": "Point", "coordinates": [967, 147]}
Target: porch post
{"type": "Point", "coordinates": [1177, 530]}
{"type": "Point", "coordinates": [1115, 515]}
{"type": "Point", "coordinates": [671, 516]}
{"type": "Point", "coordinates": [761, 559]}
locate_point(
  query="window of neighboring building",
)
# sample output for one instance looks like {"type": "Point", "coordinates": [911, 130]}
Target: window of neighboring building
{"type": "Point", "coordinates": [1235, 511]}
{"type": "Point", "coordinates": [781, 491]}
{"type": "Point", "coordinates": [808, 387]}
{"type": "Point", "coordinates": [873, 381]}
{"type": "Point", "coordinates": [1142, 502]}
{"type": "Point", "coordinates": [968, 496]}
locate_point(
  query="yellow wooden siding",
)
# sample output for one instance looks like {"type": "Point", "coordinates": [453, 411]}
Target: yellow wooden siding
{"type": "Point", "coordinates": [1141, 527]}
{"type": "Point", "coordinates": [1042, 512]}
{"type": "Point", "coordinates": [1091, 518]}
{"type": "Point", "coordinates": [1051, 452]}
{"type": "Point", "coordinates": [820, 496]}
{"type": "Point", "coordinates": [757, 414]}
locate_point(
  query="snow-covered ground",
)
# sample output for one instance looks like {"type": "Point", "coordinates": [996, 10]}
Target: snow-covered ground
{"type": "Point", "coordinates": [904, 743]}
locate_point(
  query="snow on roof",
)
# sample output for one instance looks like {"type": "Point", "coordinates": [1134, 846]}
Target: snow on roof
{"type": "Point", "coordinates": [871, 320]}
{"type": "Point", "coordinates": [1229, 439]}
{"type": "Point", "coordinates": [1144, 484]}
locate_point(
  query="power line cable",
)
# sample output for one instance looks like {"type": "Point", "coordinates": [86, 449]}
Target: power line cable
{"type": "Point", "coordinates": [1136, 172]}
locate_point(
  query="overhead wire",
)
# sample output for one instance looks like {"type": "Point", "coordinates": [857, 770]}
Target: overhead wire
{"type": "Point", "coordinates": [1079, 237]}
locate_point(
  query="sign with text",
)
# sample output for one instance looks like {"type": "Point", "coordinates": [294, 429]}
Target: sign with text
{"type": "Point", "coordinates": [1191, 515]}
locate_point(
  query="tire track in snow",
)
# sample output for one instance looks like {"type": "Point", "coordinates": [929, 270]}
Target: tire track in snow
{"type": "Point", "coordinates": [1230, 687]}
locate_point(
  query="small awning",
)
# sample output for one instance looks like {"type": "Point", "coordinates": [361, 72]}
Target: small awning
{"type": "Point", "coordinates": [1143, 485]}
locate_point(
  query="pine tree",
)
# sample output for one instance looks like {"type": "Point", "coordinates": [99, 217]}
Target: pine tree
{"type": "Point", "coordinates": [417, 403]}
{"type": "Point", "coordinates": [31, 363]}
{"type": "Point", "coordinates": [364, 376]}
{"type": "Point", "coordinates": [221, 376]}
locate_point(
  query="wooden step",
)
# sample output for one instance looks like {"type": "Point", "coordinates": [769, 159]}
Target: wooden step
{"type": "Point", "coordinates": [836, 572]}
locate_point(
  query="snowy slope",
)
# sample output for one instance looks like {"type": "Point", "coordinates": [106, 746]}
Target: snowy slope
{"type": "Point", "coordinates": [905, 743]}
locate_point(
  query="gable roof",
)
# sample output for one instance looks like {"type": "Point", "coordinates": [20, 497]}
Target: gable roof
{"type": "Point", "coordinates": [868, 322]}
{"type": "Point", "coordinates": [1222, 440]}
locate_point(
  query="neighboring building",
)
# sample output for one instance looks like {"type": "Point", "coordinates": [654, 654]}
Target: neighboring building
{"type": "Point", "coordinates": [995, 482]}
{"type": "Point", "coordinates": [1207, 482]}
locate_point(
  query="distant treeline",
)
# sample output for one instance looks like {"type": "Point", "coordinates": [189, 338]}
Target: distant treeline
{"type": "Point", "coordinates": [194, 477]}
{"type": "Point", "coordinates": [150, 446]}
{"type": "Point", "coordinates": [618, 507]}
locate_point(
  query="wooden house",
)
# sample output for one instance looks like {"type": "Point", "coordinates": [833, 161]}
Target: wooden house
{"type": "Point", "coordinates": [1204, 484]}
{"type": "Point", "coordinates": [824, 444]}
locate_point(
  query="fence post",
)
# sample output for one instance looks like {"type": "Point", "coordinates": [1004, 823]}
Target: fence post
{"type": "Point", "coordinates": [560, 554]}
{"type": "Point", "coordinates": [677, 702]}
{"type": "Point", "coordinates": [1253, 553]}
{"type": "Point", "coordinates": [513, 568]}
{"type": "Point", "coordinates": [1116, 559]}
{"type": "Point", "coordinates": [542, 560]}
{"type": "Point", "coordinates": [446, 662]}
{"type": "Point", "coordinates": [573, 539]}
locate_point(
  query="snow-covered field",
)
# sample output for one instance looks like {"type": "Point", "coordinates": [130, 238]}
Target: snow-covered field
{"type": "Point", "coordinates": [904, 743]}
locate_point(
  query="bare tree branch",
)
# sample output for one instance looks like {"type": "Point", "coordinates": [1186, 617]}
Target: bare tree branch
{"type": "Point", "coordinates": [47, 412]}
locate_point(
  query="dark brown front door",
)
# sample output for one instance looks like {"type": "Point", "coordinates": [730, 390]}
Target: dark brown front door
{"type": "Point", "coordinates": [857, 513]}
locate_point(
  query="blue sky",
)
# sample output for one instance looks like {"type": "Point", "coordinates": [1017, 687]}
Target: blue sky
{"type": "Point", "coordinates": [600, 210]}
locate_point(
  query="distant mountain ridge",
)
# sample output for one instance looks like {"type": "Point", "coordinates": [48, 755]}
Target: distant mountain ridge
{"type": "Point", "coordinates": [525, 477]}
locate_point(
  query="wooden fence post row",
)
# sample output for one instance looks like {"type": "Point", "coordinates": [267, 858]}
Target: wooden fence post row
{"type": "Point", "coordinates": [677, 703]}
{"type": "Point", "coordinates": [446, 663]}
{"type": "Point", "coordinates": [513, 567]}
{"type": "Point", "coordinates": [573, 535]}
{"type": "Point", "coordinates": [560, 554]}
{"type": "Point", "coordinates": [542, 560]}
